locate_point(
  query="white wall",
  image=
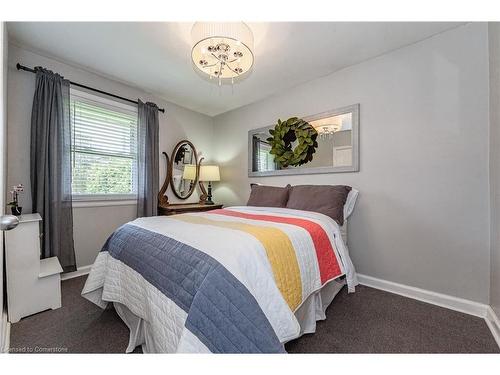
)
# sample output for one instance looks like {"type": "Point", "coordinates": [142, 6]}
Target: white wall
{"type": "Point", "coordinates": [92, 225]}
{"type": "Point", "coordinates": [422, 218]}
{"type": "Point", "coordinates": [494, 43]}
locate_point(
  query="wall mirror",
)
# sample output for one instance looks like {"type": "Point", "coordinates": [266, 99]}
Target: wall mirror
{"type": "Point", "coordinates": [337, 151]}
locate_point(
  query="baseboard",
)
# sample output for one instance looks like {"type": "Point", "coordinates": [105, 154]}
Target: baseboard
{"type": "Point", "coordinates": [4, 333]}
{"type": "Point", "coordinates": [79, 272]}
{"type": "Point", "coordinates": [443, 300]}
{"type": "Point", "coordinates": [493, 323]}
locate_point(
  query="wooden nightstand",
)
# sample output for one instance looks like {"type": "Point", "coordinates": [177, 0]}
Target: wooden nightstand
{"type": "Point", "coordinates": [182, 208]}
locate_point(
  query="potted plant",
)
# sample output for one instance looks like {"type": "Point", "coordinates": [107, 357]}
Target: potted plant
{"type": "Point", "coordinates": [14, 204]}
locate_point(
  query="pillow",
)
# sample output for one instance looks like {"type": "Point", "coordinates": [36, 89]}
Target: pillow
{"type": "Point", "coordinates": [325, 199]}
{"type": "Point", "coordinates": [268, 196]}
{"type": "Point", "coordinates": [350, 202]}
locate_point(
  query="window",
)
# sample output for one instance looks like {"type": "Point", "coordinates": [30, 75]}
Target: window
{"type": "Point", "coordinates": [266, 159]}
{"type": "Point", "coordinates": [104, 149]}
{"type": "Point", "coordinates": [263, 160]}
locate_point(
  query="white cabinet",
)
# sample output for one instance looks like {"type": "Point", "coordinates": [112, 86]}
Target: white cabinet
{"type": "Point", "coordinates": [33, 285]}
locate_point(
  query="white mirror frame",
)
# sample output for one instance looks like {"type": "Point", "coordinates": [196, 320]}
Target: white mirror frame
{"type": "Point", "coordinates": [354, 109]}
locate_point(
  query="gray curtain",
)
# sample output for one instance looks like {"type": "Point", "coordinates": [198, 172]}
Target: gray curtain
{"type": "Point", "coordinates": [51, 166]}
{"type": "Point", "coordinates": [147, 159]}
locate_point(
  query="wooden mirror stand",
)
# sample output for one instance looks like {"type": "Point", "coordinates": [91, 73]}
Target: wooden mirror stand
{"type": "Point", "coordinates": [162, 197]}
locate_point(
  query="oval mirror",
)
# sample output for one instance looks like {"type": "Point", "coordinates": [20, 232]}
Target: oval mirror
{"type": "Point", "coordinates": [184, 169]}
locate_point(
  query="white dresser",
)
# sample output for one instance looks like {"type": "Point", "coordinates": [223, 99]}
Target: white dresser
{"type": "Point", "coordinates": [33, 285]}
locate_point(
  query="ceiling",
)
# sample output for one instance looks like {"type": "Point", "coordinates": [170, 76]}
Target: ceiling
{"type": "Point", "coordinates": [156, 55]}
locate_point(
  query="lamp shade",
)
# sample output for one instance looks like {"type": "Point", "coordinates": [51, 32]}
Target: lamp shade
{"type": "Point", "coordinates": [209, 173]}
{"type": "Point", "coordinates": [222, 51]}
{"type": "Point", "coordinates": [189, 172]}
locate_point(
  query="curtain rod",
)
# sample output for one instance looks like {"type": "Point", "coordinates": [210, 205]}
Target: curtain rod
{"type": "Point", "coordinates": [22, 67]}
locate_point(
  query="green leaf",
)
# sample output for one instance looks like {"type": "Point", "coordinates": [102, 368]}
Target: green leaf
{"type": "Point", "coordinates": [292, 129]}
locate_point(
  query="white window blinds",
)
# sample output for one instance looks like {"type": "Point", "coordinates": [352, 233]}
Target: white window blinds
{"type": "Point", "coordinates": [104, 149]}
{"type": "Point", "coordinates": [265, 158]}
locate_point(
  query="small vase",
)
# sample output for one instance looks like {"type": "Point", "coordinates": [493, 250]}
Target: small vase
{"type": "Point", "coordinates": [16, 210]}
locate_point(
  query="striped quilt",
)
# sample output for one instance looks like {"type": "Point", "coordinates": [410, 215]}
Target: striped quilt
{"type": "Point", "coordinates": [223, 281]}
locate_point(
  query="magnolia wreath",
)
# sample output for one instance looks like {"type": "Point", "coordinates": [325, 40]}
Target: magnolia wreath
{"type": "Point", "coordinates": [293, 142]}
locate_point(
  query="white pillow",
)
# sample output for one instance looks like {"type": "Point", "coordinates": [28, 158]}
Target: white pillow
{"type": "Point", "coordinates": [350, 202]}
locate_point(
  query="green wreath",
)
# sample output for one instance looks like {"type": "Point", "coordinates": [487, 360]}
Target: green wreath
{"type": "Point", "coordinates": [282, 140]}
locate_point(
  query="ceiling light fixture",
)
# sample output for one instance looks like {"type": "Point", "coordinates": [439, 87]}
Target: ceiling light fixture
{"type": "Point", "coordinates": [327, 127]}
{"type": "Point", "coordinates": [327, 131]}
{"type": "Point", "coordinates": [223, 52]}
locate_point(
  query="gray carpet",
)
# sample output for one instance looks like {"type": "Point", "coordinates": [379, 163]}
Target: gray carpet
{"type": "Point", "coordinates": [368, 321]}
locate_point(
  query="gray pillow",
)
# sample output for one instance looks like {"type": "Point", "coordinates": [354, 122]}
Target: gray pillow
{"type": "Point", "coordinates": [268, 196]}
{"type": "Point", "coordinates": [325, 199]}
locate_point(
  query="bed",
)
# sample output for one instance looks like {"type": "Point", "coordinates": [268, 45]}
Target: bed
{"type": "Point", "coordinates": [236, 280]}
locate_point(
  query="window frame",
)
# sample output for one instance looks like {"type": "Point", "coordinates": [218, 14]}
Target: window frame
{"type": "Point", "coordinates": [113, 105]}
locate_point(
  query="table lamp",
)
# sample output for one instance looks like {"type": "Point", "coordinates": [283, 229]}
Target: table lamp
{"type": "Point", "coordinates": [189, 174]}
{"type": "Point", "coordinates": [209, 173]}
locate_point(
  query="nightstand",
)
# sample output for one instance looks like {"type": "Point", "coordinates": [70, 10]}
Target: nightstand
{"type": "Point", "coordinates": [182, 208]}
